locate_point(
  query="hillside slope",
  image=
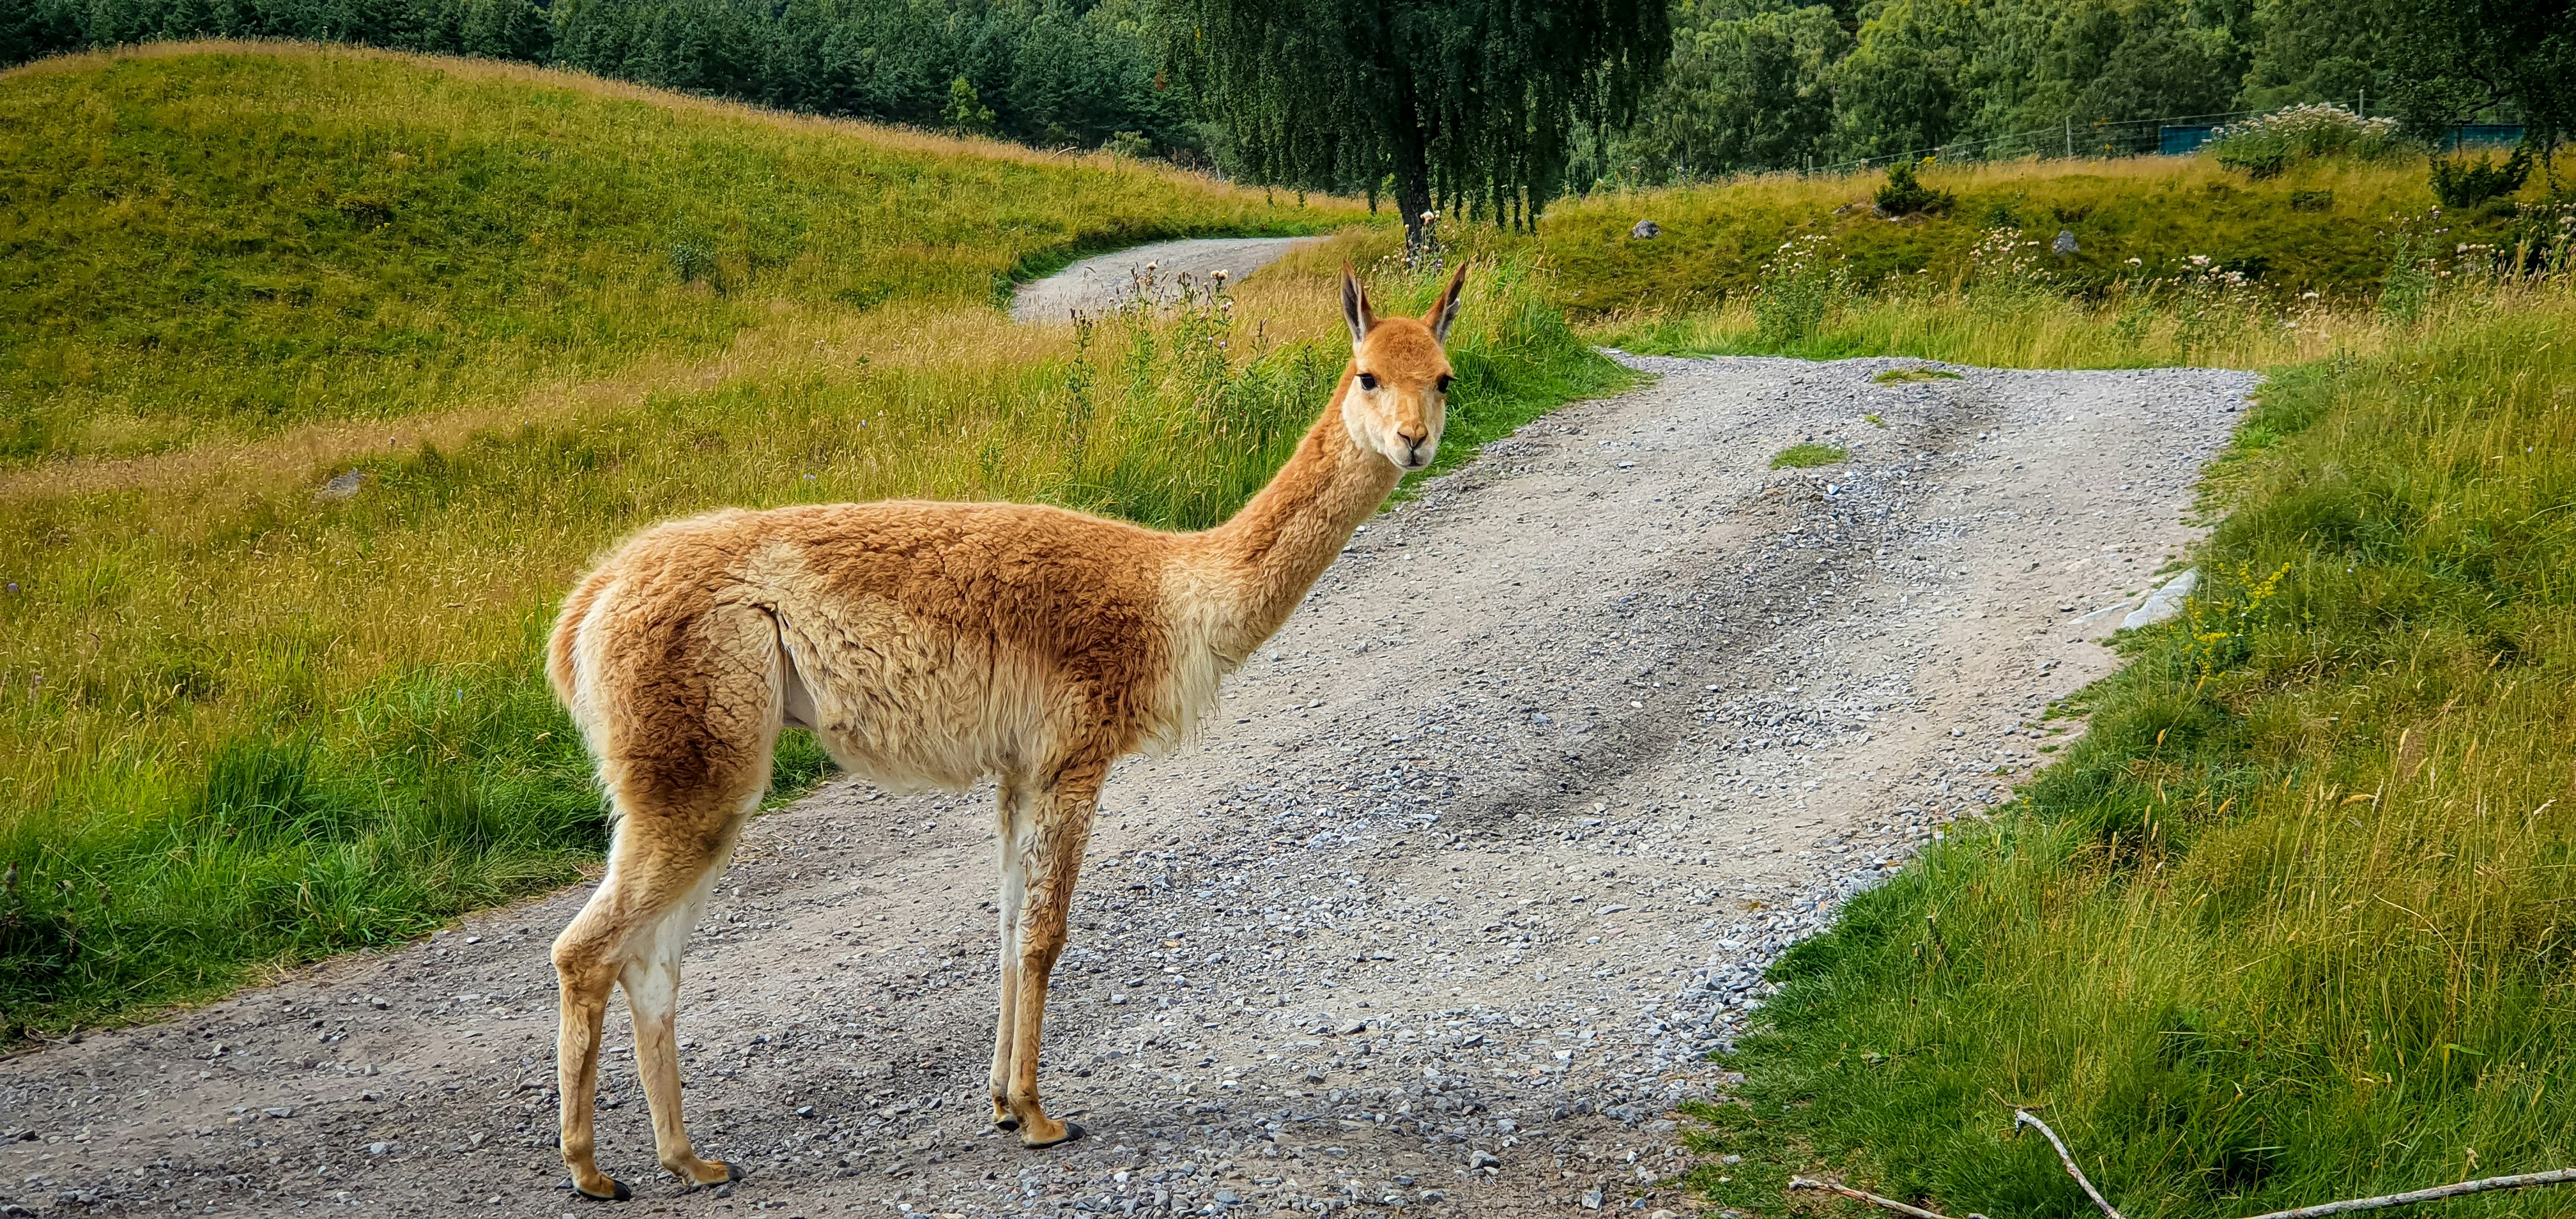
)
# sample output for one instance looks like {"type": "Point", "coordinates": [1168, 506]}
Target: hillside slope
{"type": "Point", "coordinates": [221, 240]}
{"type": "Point", "coordinates": [2322, 227]}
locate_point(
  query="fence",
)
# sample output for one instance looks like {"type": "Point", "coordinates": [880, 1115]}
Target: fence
{"type": "Point", "coordinates": [2176, 136]}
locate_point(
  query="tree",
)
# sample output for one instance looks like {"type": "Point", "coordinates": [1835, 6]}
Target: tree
{"type": "Point", "coordinates": [1745, 92]}
{"type": "Point", "coordinates": [1462, 104]}
{"type": "Point", "coordinates": [2456, 59]}
{"type": "Point", "coordinates": [1904, 86]}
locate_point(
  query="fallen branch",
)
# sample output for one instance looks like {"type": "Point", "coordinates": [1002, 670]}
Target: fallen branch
{"type": "Point", "coordinates": [2555, 1176]}
{"type": "Point", "coordinates": [2022, 1117]}
{"type": "Point", "coordinates": [1868, 1197]}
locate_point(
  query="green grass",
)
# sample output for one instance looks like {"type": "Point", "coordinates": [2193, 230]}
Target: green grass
{"type": "Point", "coordinates": [1908, 376]}
{"type": "Point", "coordinates": [219, 242]}
{"type": "Point", "coordinates": [1808, 456]}
{"type": "Point", "coordinates": [2321, 226]}
{"type": "Point", "coordinates": [242, 725]}
{"type": "Point", "coordinates": [2290, 923]}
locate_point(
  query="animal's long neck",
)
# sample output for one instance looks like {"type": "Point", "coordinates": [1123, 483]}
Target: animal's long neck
{"type": "Point", "coordinates": [1273, 550]}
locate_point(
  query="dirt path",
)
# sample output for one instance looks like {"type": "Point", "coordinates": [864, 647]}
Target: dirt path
{"type": "Point", "coordinates": [1101, 283]}
{"type": "Point", "coordinates": [1486, 852]}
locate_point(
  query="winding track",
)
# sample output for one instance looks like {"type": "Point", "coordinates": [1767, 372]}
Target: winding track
{"type": "Point", "coordinates": [1097, 284]}
{"type": "Point", "coordinates": [1485, 853]}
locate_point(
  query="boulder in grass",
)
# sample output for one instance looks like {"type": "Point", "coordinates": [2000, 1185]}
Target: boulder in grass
{"type": "Point", "coordinates": [344, 486]}
{"type": "Point", "coordinates": [1646, 230]}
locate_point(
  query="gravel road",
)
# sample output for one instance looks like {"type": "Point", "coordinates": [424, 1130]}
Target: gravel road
{"type": "Point", "coordinates": [1443, 915]}
{"type": "Point", "coordinates": [1097, 284]}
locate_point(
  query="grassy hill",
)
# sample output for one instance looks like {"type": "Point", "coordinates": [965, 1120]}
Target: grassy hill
{"type": "Point", "coordinates": [243, 723]}
{"type": "Point", "coordinates": [210, 241]}
{"type": "Point", "coordinates": [2323, 227]}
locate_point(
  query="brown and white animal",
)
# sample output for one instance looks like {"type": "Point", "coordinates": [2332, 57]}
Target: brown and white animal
{"type": "Point", "coordinates": [929, 644]}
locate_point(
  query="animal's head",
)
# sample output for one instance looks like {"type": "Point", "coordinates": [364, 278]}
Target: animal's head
{"type": "Point", "coordinates": [1398, 394]}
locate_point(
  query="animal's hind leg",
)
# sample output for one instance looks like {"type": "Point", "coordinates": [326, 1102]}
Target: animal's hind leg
{"type": "Point", "coordinates": [1052, 858]}
{"type": "Point", "coordinates": [652, 981]}
{"type": "Point", "coordinates": [683, 710]}
{"type": "Point", "coordinates": [656, 878]}
{"type": "Point", "coordinates": [1012, 821]}
{"type": "Point", "coordinates": [584, 971]}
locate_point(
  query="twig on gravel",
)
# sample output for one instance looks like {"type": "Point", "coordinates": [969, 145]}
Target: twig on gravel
{"type": "Point", "coordinates": [2555, 1176]}
{"type": "Point", "coordinates": [2022, 1117]}
{"type": "Point", "coordinates": [1863, 1195]}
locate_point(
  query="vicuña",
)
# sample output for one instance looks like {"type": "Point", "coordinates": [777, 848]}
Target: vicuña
{"type": "Point", "coordinates": [929, 645]}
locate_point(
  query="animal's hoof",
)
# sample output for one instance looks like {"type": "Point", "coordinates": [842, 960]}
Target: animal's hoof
{"type": "Point", "coordinates": [1072, 1131]}
{"type": "Point", "coordinates": [1006, 1124]}
{"type": "Point", "coordinates": [617, 1191]}
{"type": "Point", "coordinates": [734, 1171]}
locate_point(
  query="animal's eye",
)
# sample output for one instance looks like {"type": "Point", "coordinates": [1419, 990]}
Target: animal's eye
{"type": "Point", "coordinates": [1443, 383]}
{"type": "Point", "coordinates": [1368, 381]}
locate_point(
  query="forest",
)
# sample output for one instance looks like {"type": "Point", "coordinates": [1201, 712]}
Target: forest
{"type": "Point", "coordinates": [1750, 85]}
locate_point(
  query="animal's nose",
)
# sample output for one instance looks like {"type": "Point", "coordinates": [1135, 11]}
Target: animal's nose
{"type": "Point", "coordinates": [1413, 436]}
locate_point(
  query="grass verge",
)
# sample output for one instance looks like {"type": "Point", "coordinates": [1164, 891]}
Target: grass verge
{"type": "Point", "coordinates": [2290, 923]}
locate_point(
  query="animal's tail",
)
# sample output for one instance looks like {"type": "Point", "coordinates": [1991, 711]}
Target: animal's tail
{"type": "Point", "coordinates": [560, 660]}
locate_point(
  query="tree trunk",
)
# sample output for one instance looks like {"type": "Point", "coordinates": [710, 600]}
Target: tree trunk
{"type": "Point", "coordinates": [1413, 198]}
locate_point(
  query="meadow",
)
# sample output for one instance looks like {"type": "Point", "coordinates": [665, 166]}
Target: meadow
{"type": "Point", "coordinates": [247, 724]}
{"type": "Point", "coordinates": [220, 242]}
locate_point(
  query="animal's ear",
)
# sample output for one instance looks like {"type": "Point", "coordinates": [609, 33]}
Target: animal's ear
{"type": "Point", "coordinates": [1445, 314]}
{"type": "Point", "coordinates": [1355, 306]}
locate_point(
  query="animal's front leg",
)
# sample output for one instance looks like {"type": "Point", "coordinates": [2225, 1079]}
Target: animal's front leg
{"type": "Point", "coordinates": [1013, 822]}
{"type": "Point", "coordinates": [1052, 862]}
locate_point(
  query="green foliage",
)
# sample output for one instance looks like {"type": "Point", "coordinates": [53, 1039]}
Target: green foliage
{"type": "Point", "coordinates": [1903, 376]}
{"type": "Point", "coordinates": [2268, 145]}
{"type": "Point", "coordinates": [1460, 105]}
{"type": "Point", "coordinates": [966, 110]}
{"type": "Point", "coordinates": [1057, 73]}
{"type": "Point", "coordinates": [1808, 456]}
{"type": "Point", "coordinates": [229, 244]}
{"type": "Point", "coordinates": [2318, 50]}
{"type": "Point", "coordinates": [2455, 60]}
{"type": "Point", "coordinates": [1773, 84]}
{"type": "Point", "coordinates": [2284, 925]}
{"type": "Point", "coordinates": [2464, 181]}
{"type": "Point", "coordinates": [1746, 91]}
{"type": "Point", "coordinates": [1903, 194]}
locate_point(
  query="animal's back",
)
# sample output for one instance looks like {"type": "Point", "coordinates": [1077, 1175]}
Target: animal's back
{"type": "Point", "coordinates": [927, 644]}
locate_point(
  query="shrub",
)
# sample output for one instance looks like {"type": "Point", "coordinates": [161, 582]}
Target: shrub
{"type": "Point", "coordinates": [1797, 290]}
{"type": "Point", "coordinates": [2265, 145]}
{"type": "Point", "coordinates": [2466, 182]}
{"type": "Point", "coordinates": [1905, 195]}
